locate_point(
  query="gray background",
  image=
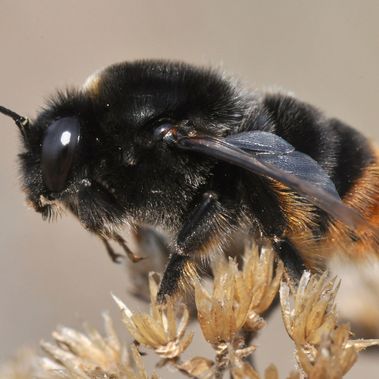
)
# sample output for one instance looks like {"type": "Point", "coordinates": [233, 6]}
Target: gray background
{"type": "Point", "coordinates": [326, 52]}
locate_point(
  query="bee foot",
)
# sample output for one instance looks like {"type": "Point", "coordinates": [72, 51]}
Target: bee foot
{"type": "Point", "coordinates": [135, 258]}
{"type": "Point", "coordinates": [117, 258]}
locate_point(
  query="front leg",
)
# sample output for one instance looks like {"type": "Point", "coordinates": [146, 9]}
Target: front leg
{"type": "Point", "coordinates": [203, 226]}
{"type": "Point", "coordinates": [115, 257]}
{"type": "Point", "coordinates": [99, 213]}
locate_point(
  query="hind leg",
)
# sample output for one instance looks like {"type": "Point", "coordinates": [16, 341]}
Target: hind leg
{"type": "Point", "coordinates": [291, 258]}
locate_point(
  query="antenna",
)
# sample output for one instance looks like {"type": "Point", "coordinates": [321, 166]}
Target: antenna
{"type": "Point", "coordinates": [21, 121]}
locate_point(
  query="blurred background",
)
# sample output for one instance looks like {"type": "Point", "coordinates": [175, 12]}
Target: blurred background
{"type": "Point", "coordinates": [327, 53]}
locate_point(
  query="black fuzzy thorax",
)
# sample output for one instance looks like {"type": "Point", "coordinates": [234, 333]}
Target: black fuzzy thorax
{"type": "Point", "coordinates": [158, 184]}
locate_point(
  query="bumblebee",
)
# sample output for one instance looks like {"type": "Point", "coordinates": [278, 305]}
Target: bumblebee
{"type": "Point", "coordinates": [194, 153]}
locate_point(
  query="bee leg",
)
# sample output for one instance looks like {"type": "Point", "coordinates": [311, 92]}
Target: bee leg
{"type": "Point", "coordinates": [134, 258]}
{"type": "Point", "coordinates": [195, 232]}
{"type": "Point", "coordinates": [291, 258]}
{"type": "Point", "coordinates": [116, 258]}
{"type": "Point", "coordinates": [172, 275]}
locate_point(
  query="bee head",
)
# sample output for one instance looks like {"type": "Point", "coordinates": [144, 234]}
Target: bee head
{"type": "Point", "coordinates": [52, 150]}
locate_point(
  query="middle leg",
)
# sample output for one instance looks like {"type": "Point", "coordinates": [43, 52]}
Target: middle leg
{"type": "Point", "coordinates": [204, 226]}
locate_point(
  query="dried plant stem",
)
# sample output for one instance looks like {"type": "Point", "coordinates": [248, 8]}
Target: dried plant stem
{"type": "Point", "coordinates": [221, 361]}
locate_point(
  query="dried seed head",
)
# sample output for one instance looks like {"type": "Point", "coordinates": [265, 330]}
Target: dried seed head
{"type": "Point", "coordinates": [223, 312]}
{"type": "Point", "coordinates": [332, 359]}
{"type": "Point", "coordinates": [239, 296]}
{"type": "Point", "coordinates": [89, 355]}
{"type": "Point", "coordinates": [261, 281]}
{"type": "Point", "coordinates": [164, 329]}
{"type": "Point", "coordinates": [313, 313]}
{"type": "Point", "coordinates": [323, 348]}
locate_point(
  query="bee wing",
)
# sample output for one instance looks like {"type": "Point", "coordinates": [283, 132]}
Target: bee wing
{"type": "Point", "coordinates": [296, 170]}
{"type": "Point", "coordinates": [273, 150]}
{"type": "Point", "coordinates": [260, 142]}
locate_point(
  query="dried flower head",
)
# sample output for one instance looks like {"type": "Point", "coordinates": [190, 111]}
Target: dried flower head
{"type": "Point", "coordinates": [332, 359]}
{"type": "Point", "coordinates": [223, 312]}
{"type": "Point", "coordinates": [90, 356]}
{"type": "Point", "coordinates": [323, 348]}
{"type": "Point", "coordinates": [261, 276]}
{"type": "Point", "coordinates": [164, 329]}
{"type": "Point", "coordinates": [261, 280]}
{"type": "Point", "coordinates": [238, 298]}
{"type": "Point", "coordinates": [313, 313]}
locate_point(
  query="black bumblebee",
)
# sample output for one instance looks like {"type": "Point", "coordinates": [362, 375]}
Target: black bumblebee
{"type": "Point", "coordinates": [190, 151]}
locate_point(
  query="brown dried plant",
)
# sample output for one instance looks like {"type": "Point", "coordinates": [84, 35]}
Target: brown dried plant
{"type": "Point", "coordinates": [233, 308]}
{"type": "Point", "coordinates": [90, 355]}
{"type": "Point", "coordinates": [323, 347]}
{"type": "Point", "coordinates": [159, 330]}
{"type": "Point", "coordinates": [238, 298]}
{"type": "Point", "coordinates": [77, 355]}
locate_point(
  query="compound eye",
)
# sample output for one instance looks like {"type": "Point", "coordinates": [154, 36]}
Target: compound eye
{"type": "Point", "coordinates": [58, 150]}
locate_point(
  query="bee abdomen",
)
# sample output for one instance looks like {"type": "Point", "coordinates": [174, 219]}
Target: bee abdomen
{"type": "Point", "coordinates": [352, 164]}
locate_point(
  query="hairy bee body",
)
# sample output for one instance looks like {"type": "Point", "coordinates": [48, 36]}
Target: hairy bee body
{"type": "Point", "coordinates": [119, 173]}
